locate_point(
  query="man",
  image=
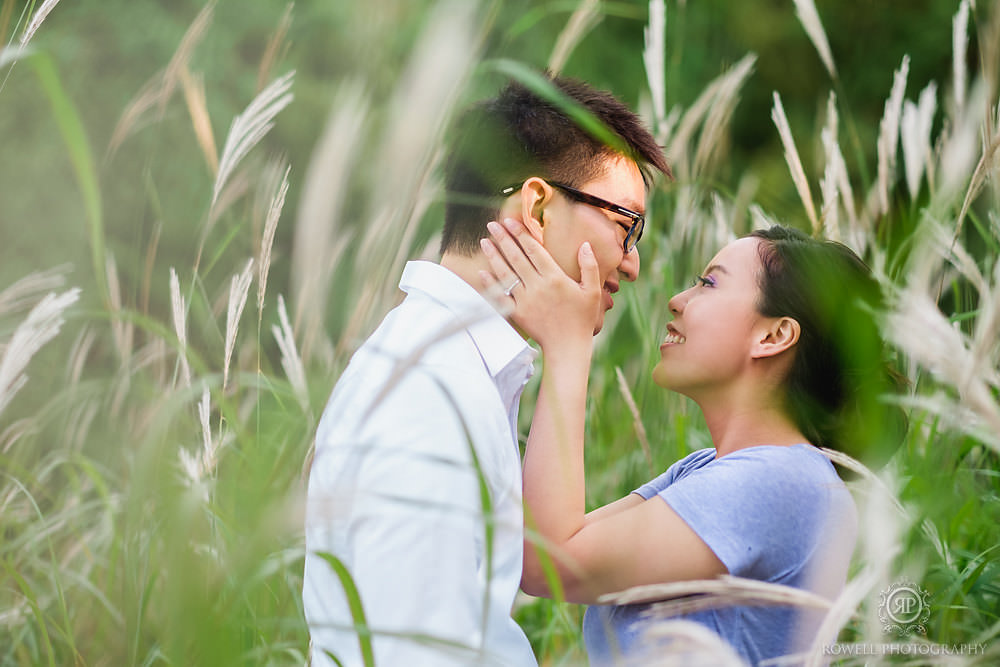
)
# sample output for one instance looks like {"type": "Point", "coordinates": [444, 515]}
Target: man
{"type": "Point", "coordinates": [414, 525]}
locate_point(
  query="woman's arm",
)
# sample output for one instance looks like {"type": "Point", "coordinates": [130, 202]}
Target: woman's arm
{"type": "Point", "coordinates": [630, 543]}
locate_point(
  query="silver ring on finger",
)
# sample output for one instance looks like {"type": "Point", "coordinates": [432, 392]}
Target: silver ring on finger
{"type": "Point", "coordinates": [517, 281]}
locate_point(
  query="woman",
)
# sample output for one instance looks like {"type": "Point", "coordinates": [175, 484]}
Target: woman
{"type": "Point", "coordinates": [777, 344]}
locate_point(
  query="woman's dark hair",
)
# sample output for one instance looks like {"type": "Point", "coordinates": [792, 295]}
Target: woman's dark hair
{"type": "Point", "coordinates": [839, 386]}
{"type": "Point", "coordinates": [504, 140]}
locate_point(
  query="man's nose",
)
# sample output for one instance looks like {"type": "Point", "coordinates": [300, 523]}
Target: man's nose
{"type": "Point", "coordinates": [629, 267]}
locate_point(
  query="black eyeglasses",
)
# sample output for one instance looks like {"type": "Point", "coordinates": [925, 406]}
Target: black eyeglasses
{"type": "Point", "coordinates": [634, 229]}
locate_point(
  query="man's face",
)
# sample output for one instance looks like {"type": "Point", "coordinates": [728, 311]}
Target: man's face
{"type": "Point", "coordinates": [567, 223]}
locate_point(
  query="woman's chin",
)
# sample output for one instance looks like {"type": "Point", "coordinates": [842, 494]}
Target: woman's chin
{"type": "Point", "coordinates": [660, 376]}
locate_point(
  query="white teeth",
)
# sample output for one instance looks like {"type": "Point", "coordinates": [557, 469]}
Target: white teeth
{"type": "Point", "coordinates": [676, 339]}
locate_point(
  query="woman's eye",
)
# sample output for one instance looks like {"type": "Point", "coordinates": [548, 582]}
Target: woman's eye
{"type": "Point", "coordinates": [705, 282]}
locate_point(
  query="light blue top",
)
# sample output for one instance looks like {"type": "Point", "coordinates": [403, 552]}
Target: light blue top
{"type": "Point", "coordinates": [774, 514]}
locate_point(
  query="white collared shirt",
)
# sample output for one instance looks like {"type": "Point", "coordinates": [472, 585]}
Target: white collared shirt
{"type": "Point", "coordinates": [416, 486]}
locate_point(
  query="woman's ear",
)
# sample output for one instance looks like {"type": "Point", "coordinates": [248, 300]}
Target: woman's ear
{"type": "Point", "coordinates": [780, 334]}
{"type": "Point", "coordinates": [535, 195]}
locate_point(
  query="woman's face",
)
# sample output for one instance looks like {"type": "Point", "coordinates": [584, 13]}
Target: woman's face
{"type": "Point", "coordinates": [708, 343]}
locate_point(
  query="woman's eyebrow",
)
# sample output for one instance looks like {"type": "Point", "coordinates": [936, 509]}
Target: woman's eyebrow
{"type": "Point", "coordinates": [717, 267]}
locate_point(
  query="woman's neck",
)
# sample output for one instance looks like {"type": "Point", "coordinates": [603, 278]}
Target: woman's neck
{"type": "Point", "coordinates": [735, 427]}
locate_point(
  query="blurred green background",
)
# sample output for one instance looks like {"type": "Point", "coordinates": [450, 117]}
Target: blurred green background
{"type": "Point", "coordinates": [108, 177]}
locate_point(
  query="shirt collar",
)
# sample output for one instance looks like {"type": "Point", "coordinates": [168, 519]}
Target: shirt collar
{"type": "Point", "coordinates": [498, 342]}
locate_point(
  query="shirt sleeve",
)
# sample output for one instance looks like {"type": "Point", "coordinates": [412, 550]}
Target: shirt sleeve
{"type": "Point", "coordinates": [758, 511]}
{"type": "Point", "coordinates": [401, 504]}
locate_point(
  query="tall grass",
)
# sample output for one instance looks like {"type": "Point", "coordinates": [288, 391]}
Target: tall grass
{"type": "Point", "coordinates": [151, 487]}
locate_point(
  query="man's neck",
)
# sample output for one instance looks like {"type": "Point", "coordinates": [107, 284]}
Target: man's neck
{"type": "Point", "coordinates": [468, 268]}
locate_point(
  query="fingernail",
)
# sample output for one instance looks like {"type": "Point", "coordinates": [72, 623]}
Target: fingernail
{"type": "Point", "coordinates": [586, 248]}
{"type": "Point", "coordinates": [510, 223]}
{"type": "Point", "coordinates": [494, 228]}
{"type": "Point", "coordinates": [486, 245]}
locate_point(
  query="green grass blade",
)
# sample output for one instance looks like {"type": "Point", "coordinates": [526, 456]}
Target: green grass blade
{"type": "Point", "coordinates": [354, 603]}
{"type": "Point", "coordinates": [75, 137]}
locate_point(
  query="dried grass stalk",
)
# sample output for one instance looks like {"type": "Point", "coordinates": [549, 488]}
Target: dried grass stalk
{"type": "Point", "coordinates": [809, 17]}
{"type": "Point", "coordinates": [267, 238]}
{"type": "Point", "coordinates": [158, 90]}
{"type": "Point", "coordinates": [40, 326]}
{"type": "Point", "coordinates": [794, 163]}
{"type": "Point", "coordinates": [274, 46]}
{"type": "Point", "coordinates": [654, 59]}
{"type": "Point", "coordinates": [915, 134]}
{"type": "Point", "coordinates": [583, 19]}
{"type": "Point", "coordinates": [239, 287]}
{"type": "Point", "coordinates": [26, 290]}
{"type": "Point", "coordinates": [640, 430]}
{"type": "Point", "coordinates": [122, 328]}
{"type": "Point", "coordinates": [179, 311]}
{"type": "Point", "coordinates": [197, 467]}
{"type": "Point", "coordinates": [683, 597]}
{"type": "Point", "coordinates": [716, 125]}
{"type": "Point", "coordinates": [36, 21]}
{"type": "Point", "coordinates": [959, 48]}
{"type": "Point", "coordinates": [194, 97]}
{"type": "Point", "coordinates": [320, 236]}
{"type": "Point", "coordinates": [832, 174]}
{"type": "Point", "coordinates": [681, 643]}
{"type": "Point", "coordinates": [888, 135]}
{"type": "Point", "coordinates": [290, 360]}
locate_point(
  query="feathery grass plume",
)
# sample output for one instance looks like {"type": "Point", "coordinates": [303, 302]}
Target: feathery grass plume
{"type": "Point", "coordinates": [882, 528]}
{"type": "Point", "coordinates": [654, 59]}
{"type": "Point", "coordinates": [122, 328]}
{"type": "Point", "coordinates": [680, 643]}
{"type": "Point", "coordinates": [794, 163]}
{"type": "Point", "coordinates": [888, 135]}
{"type": "Point", "coordinates": [960, 151]}
{"type": "Point", "coordinates": [640, 430]}
{"type": "Point", "coordinates": [985, 168]}
{"type": "Point", "coordinates": [202, 464]}
{"type": "Point", "coordinates": [267, 239]}
{"type": "Point", "coordinates": [721, 91]}
{"type": "Point", "coordinates": [179, 311]}
{"type": "Point", "coordinates": [582, 21]}
{"type": "Point", "coordinates": [915, 135]}
{"type": "Point", "coordinates": [919, 329]}
{"type": "Point", "coordinates": [675, 598]}
{"type": "Point", "coordinates": [830, 184]}
{"type": "Point", "coordinates": [26, 290]}
{"type": "Point", "coordinates": [425, 97]}
{"type": "Point", "coordinates": [844, 608]}
{"type": "Point", "coordinates": [712, 137]}
{"type": "Point", "coordinates": [194, 97]}
{"type": "Point", "coordinates": [959, 48]}
{"type": "Point", "coordinates": [239, 287]}
{"type": "Point", "coordinates": [986, 334]}
{"type": "Point", "coordinates": [290, 360]}
{"type": "Point", "coordinates": [158, 90]}
{"type": "Point", "coordinates": [249, 127]}
{"type": "Point", "coordinates": [38, 328]}
{"type": "Point", "coordinates": [36, 21]}
{"type": "Point", "coordinates": [809, 17]}
{"type": "Point", "coordinates": [9, 54]}
{"type": "Point", "coordinates": [320, 235]}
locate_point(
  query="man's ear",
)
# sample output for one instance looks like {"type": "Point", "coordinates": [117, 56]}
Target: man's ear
{"type": "Point", "coordinates": [535, 195]}
{"type": "Point", "coordinates": [778, 335]}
